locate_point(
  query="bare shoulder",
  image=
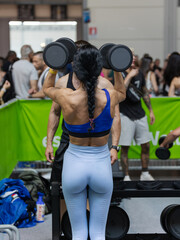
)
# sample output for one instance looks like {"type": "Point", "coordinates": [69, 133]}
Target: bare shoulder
{"type": "Point", "coordinates": [62, 82]}
{"type": "Point", "coordinates": [176, 80]}
{"type": "Point", "coordinates": [152, 74]}
{"type": "Point", "coordinates": [62, 95]}
{"type": "Point", "coordinates": [104, 83]}
{"type": "Point", "coordinates": [65, 91]}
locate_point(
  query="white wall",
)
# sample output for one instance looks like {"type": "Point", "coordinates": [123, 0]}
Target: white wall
{"type": "Point", "coordinates": [178, 29]}
{"type": "Point", "coordinates": [35, 35]}
{"type": "Point", "coordinates": [135, 23]}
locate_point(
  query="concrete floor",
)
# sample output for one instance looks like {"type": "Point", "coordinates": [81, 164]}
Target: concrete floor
{"type": "Point", "coordinates": [144, 213]}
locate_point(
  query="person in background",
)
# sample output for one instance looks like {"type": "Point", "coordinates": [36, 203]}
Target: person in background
{"type": "Point", "coordinates": [2, 73]}
{"type": "Point", "coordinates": [134, 123]}
{"type": "Point", "coordinates": [42, 69]}
{"type": "Point", "coordinates": [174, 89]}
{"type": "Point", "coordinates": [24, 74]}
{"type": "Point", "coordinates": [172, 70]}
{"type": "Point", "coordinates": [88, 114]}
{"type": "Point", "coordinates": [4, 88]}
{"type": "Point", "coordinates": [146, 67]}
{"type": "Point", "coordinates": [10, 59]}
{"type": "Point", "coordinates": [158, 71]}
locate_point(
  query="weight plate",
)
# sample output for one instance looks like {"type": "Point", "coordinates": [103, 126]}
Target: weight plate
{"type": "Point", "coordinates": [55, 55]}
{"type": "Point", "coordinates": [161, 139]}
{"type": "Point", "coordinates": [117, 223]}
{"type": "Point", "coordinates": [162, 153]}
{"type": "Point", "coordinates": [163, 216]}
{"type": "Point", "coordinates": [104, 49]}
{"type": "Point", "coordinates": [173, 221]}
{"type": "Point", "coordinates": [120, 58]}
{"type": "Point", "coordinates": [70, 45]}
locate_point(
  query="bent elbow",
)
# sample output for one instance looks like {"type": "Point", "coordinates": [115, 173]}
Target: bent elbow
{"type": "Point", "coordinates": [45, 90]}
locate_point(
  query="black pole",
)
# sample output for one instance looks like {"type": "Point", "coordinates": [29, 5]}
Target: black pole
{"type": "Point", "coordinates": [55, 197]}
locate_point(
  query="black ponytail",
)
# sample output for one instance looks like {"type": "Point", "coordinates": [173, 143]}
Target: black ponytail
{"type": "Point", "coordinates": [87, 66]}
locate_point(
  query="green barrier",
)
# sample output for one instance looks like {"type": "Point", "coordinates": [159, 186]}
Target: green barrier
{"type": "Point", "coordinates": [167, 114]}
{"type": "Point", "coordinates": [23, 128]}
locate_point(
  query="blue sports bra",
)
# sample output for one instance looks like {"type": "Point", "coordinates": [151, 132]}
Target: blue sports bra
{"type": "Point", "coordinates": [102, 127]}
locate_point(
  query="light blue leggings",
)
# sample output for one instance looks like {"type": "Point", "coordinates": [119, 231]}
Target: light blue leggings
{"type": "Point", "coordinates": [87, 166]}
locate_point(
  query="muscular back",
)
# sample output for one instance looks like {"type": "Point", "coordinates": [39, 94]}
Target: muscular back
{"type": "Point", "coordinates": [75, 110]}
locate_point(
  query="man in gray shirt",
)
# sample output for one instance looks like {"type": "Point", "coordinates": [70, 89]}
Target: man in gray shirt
{"type": "Point", "coordinates": [25, 76]}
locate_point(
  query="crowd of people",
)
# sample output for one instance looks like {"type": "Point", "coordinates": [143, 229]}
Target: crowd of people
{"type": "Point", "coordinates": [93, 101]}
{"type": "Point", "coordinates": [30, 71]}
{"type": "Point", "coordinates": [161, 80]}
{"type": "Point", "coordinates": [144, 79]}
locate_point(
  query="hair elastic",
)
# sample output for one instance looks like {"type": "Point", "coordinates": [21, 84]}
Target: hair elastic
{"type": "Point", "coordinates": [92, 124]}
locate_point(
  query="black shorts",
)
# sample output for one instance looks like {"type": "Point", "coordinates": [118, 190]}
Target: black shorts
{"type": "Point", "coordinates": [58, 162]}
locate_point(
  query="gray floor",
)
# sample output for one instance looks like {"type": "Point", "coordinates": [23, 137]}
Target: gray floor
{"type": "Point", "coordinates": [144, 215]}
{"type": "Point", "coordinates": [42, 231]}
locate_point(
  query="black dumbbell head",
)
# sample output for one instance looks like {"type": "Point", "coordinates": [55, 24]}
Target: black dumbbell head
{"type": "Point", "coordinates": [120, 58]}
{"type": "Point", "coordinates": [55, 55]}
{"type": "Point", "coordinates": [162, 153]}
{"type": "Point", "coordinates": [104, 49]}
{"type": "Point", "coordinates": [70, 45]}
{"type": "Point", "coordinates": [161, 139]}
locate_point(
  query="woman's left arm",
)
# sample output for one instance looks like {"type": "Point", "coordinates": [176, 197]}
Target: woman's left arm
{"type": "Point", "coordinates": [115, 131]}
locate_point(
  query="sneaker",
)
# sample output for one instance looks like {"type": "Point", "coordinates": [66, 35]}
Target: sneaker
{"type": "Point", "coordinates": [146, 176]}
{"type": "Point", "coordinates": [127, 178]}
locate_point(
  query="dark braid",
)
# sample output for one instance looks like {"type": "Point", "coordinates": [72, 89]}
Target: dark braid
{"type": "Point", "coordinates": [90, 87]}
{"type": "Point", "coordinates": [87, 66]}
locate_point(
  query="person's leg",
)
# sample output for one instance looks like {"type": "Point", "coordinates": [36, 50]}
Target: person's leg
{"type": "Point", "coordinates": [56, 172]}
{"type": "Point", "coordinates": [74, 186]}
{"type": "Point", "coordinates": [76, 205]}
{"type": "Point", "coordinates": [100, 192]}
{"type": "Point", "coordinates": [145, 175]}
{"type": "Point", "coordinates": [99, 208]}
{"type": "Point", "coordinates": [124, 160]}
{"type": "Point", "coordinates": [127, 135]}
{"type": "Point", "coordinates": [142, 137]}
{"type": "Point", "coordinates": [145, 156]}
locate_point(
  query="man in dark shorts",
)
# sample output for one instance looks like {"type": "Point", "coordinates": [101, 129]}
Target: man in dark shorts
{"type": "Point", "coordinates": [133, 120]}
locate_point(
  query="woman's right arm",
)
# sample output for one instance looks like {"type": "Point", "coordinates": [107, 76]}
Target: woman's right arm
{"type": "Point", "coordinates": [53, 123]}
{"type": "Point", "coordinates": [54, 117]}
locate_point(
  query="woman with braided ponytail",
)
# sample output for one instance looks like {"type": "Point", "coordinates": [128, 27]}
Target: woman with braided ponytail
{"type": "Point", "coordinates": [88, 114]}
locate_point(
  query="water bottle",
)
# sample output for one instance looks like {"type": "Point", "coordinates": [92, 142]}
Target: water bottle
{"type": "Point", "coordinates": [40, 206]}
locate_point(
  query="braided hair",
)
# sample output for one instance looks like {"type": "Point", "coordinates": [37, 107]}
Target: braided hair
{"type": "Point", "coordinates": [87, 65]}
